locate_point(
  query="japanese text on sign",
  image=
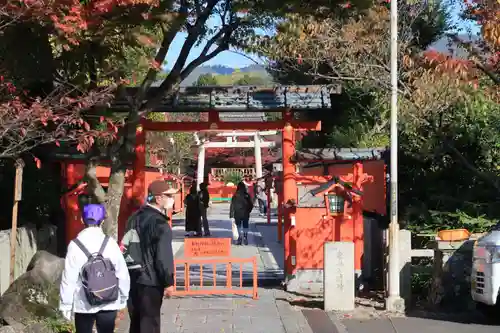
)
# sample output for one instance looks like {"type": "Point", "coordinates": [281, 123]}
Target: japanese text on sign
{"type": "Point", "coordinates": [207, 247]}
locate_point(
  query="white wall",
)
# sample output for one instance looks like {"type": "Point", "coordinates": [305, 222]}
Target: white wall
{"type": "Point", "coordinates": [29, 241]}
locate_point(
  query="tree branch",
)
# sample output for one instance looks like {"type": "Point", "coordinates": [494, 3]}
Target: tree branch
{"type": "Point", "coordinates": [176, 74]}
{"type": "Point", "coordinates": [225, 35]}
{"type": "Point", "coordinates": [93, 183]}
{"type": "Point", "coordinates": [471, 167]}
{"type": "Point", "coordinates": [168, 36]}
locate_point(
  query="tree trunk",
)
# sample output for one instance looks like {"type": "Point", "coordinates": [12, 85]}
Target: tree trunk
{"type": "Point", "coordinates": [113, 201]}
{"type": "Point", "coordinates": [121, 153]}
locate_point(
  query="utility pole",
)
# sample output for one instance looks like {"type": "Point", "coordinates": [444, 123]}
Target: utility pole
{"type": "Point", "coordinates": [394, 302]}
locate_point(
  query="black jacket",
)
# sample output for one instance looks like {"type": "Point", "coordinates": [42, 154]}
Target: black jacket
{"type": "Point", "coordinates": [204, 197]}
{"type": "Point", "coordinates": [241, 205]}
{"type": "Point", "coordinates": [151, 251]}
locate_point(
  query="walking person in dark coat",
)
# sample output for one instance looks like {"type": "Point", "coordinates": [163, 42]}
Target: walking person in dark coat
{"type": "Point", "coordinates": [204, 201]}
{"type": "Point", "coordinates": [193, 213]}
{"type": "Point", "coordinates": [147, 247]}
{"type": "Point", "coordinates": [241, 206]}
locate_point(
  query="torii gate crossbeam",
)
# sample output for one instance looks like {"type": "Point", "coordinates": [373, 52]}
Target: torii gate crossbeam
{"type": "Point", "coordinates": [249, 144]}
{"type": "Point", "coordinates": [257, 145]}
{"type": "Point", "coordinates": [219, 126]}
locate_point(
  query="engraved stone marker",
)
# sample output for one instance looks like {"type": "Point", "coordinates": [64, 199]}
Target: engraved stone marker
{"type": "Point", "coordinates": [339, 276]}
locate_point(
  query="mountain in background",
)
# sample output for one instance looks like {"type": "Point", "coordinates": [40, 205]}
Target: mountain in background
{"type": "Point", "coordinates": [252, 70]}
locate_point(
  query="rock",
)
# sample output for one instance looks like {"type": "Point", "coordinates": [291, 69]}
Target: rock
{"type": "Point", "coordinates": [37, 328]}
{"type": "Point", "coordinates": [46, 267]}
{"type": "Point", "coordinates": [35, 294]}
{"type": "Point", "coordinates": [32, 328]}
{"type": "Point", "coordinates": [8, 329]}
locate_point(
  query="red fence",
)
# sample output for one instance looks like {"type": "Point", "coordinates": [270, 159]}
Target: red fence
{"type": "Point", "coordinates": [228, 289]}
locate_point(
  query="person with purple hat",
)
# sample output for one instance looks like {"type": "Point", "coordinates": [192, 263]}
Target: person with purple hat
{"type": "Point", "coordinates": [93, 262]}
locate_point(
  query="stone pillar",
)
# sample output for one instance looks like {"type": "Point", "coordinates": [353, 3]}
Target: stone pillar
{"type": "Point", "coordinates": [201, 165]}
{"type": "Point", "coordinates": [405, 265]}
{"type": "Point", "coordinates": [339, 276]}
{"type": "Point", "coordinates": [258, 155]}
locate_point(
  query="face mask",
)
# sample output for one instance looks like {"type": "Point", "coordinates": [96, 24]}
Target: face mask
{"type": "Point", "coordinates": [169, 204]}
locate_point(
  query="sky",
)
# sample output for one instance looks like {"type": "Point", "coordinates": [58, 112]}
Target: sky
{"type": "Point", "coordinates": [227, 58]}
{"type": "Point", "coordinates": [235, 60]}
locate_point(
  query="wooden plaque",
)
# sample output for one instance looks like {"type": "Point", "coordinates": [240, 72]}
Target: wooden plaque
{"type": "Point", "coordinates": [207, 247]}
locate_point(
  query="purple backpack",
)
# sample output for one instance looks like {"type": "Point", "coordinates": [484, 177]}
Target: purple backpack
{"type": "Point", "coordinates": [98, 276]}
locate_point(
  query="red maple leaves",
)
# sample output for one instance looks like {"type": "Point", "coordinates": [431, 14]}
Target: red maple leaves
{"type": "Point", "coordinates": [27, 122]}
{"type": "Point", "coordinates": [68, 17]}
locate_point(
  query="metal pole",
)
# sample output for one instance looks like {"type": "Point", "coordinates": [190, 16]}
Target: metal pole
{"type": "Point", "coordinates": [394, 302]}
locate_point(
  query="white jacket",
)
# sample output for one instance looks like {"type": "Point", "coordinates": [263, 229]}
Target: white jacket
{"type": "Point", "coordinates": [72, 294]}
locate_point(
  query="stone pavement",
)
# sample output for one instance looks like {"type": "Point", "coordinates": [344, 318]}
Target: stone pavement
{"type": "Point", "coordinates": [271, 313]}
{"type": "Point", "coordinates": [413, 325]}
{"type": "Point", "coordinates": [211, 314]}
{"type": "Point", "coordinates": [370, 317]}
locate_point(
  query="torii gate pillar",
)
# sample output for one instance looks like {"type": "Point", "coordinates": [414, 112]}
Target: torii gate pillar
{"type": "Point", "coordinates": [200, 173]}
{"type": "Point", "coordinates": [289, 191]}
{"type": "Point", "coordinates": [258, 155]}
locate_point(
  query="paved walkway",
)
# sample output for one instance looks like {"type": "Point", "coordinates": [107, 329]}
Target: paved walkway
{"type": "Point", "coordinates": [268, 314]}
{"type": "Point", "coordinates": [271, 313]}
{"type": "Point", "coordinates": [414, 325]}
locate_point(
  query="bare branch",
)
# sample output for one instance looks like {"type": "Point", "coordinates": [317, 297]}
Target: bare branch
{"type": "Point", "coordinates": [169, 33]}
{"type": "Point", "coordinates": [178, 72]}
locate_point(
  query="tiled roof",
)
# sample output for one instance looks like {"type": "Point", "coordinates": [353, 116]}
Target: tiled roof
{"type": "Point", "coordinates": [238, 98]}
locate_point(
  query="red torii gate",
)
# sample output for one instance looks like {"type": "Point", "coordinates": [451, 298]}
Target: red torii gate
{"type": "Point", "coordinates": [284, 99]}
{"type": "Point", "coordinates": [223, 100]}
{"type": "Point", "coordinates": [287, 125]}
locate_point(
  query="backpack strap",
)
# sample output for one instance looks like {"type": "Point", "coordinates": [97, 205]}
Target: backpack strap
{"type": "Point", "coordinates": [103, 245]}
{"type": "Point", "coordinates": [82, 247]}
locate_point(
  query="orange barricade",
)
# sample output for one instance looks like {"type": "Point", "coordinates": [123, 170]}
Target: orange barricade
{"type": "Point", "coordinates": [229, 289]}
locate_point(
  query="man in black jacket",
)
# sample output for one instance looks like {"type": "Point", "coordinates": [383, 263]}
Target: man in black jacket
{"type": "Point", "coordinates": [204, 202]}
{"type": "Point", "coordinates": [147, 246]}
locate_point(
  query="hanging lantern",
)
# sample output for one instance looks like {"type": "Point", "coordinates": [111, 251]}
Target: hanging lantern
{"type": "Point", "coordinates": [334, 203]}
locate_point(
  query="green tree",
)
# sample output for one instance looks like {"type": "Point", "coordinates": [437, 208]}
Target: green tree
{"type": "Point", "coordinates": [250, 80]}
{"type": "Point", "coordinates": [206, 80]}
{"type": "Point", "coordinates": [449, 175]}
{"type": "Point", "coordinates": [351, 48]}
